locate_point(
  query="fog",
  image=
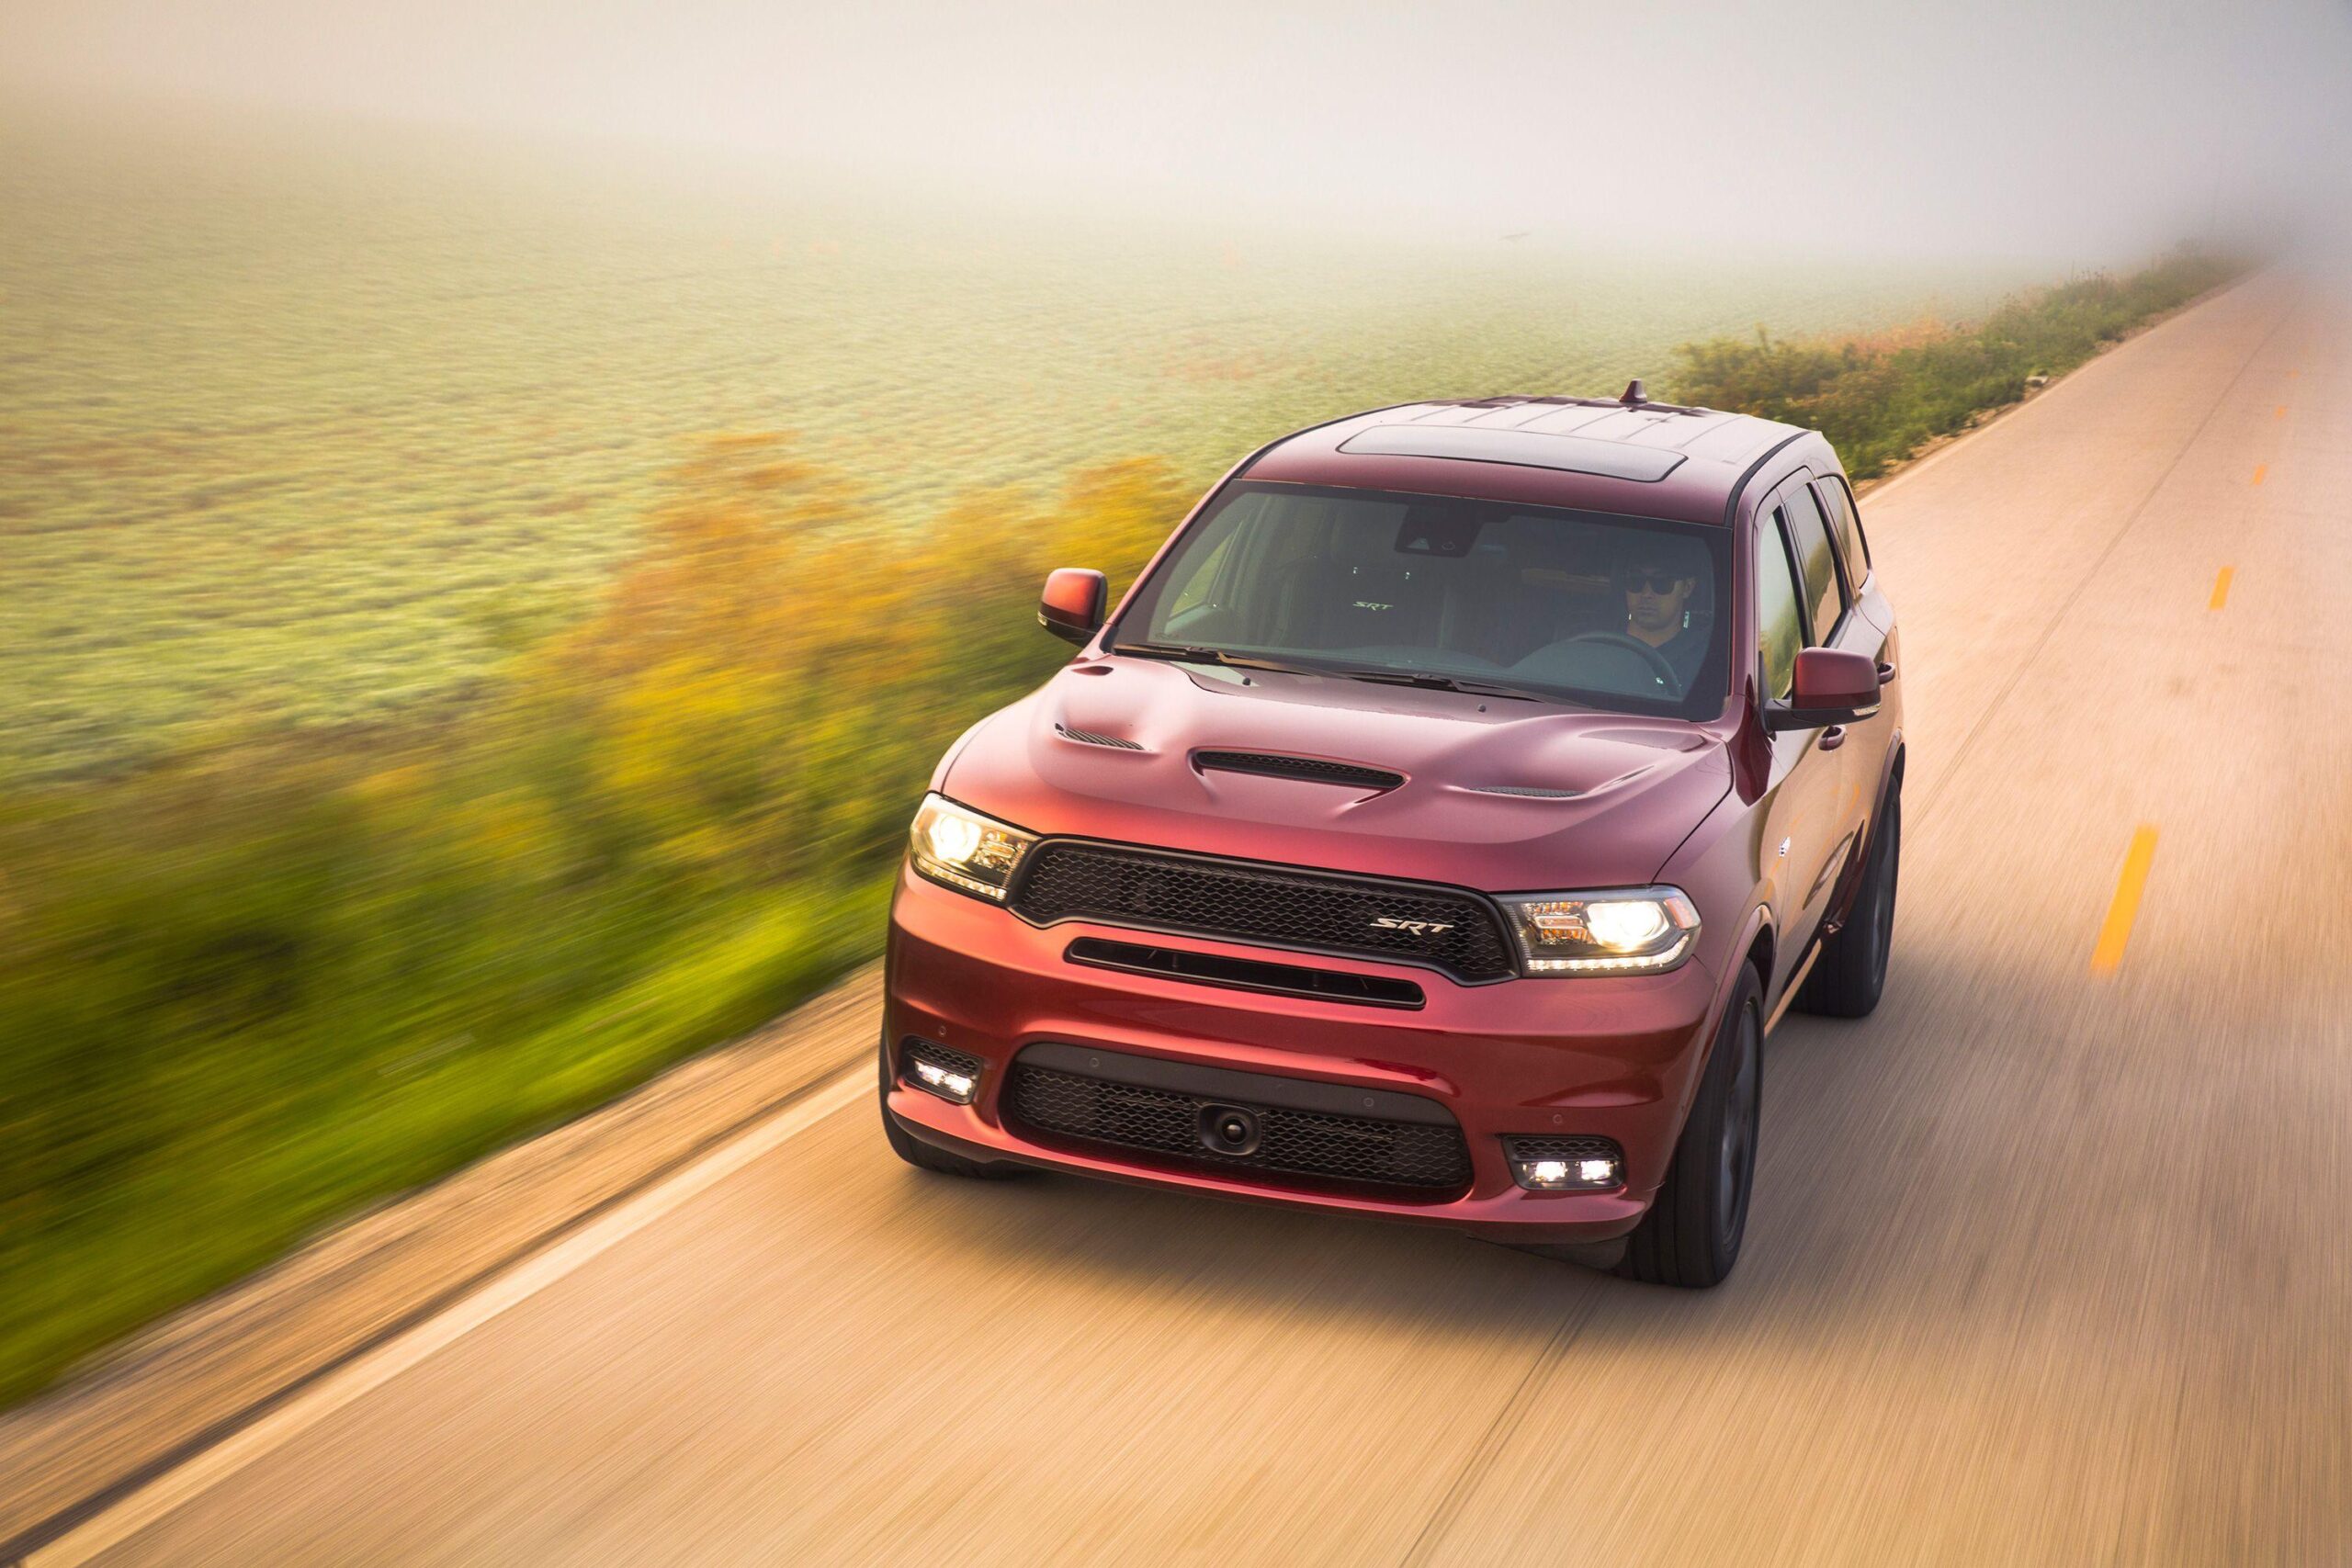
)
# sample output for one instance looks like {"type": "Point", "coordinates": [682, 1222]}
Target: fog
{"type": "Point", "coordinates": [2071, 133]}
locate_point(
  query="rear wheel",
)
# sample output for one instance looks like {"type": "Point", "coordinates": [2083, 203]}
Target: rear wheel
{"type": "Point", "coordinates": [915, 1152]}
{"type": "Point", "coordinates": [1851, 971]}
{"type": "Point", "coordinates": [1691, 1236]}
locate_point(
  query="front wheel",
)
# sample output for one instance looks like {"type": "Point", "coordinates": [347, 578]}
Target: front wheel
{"type": "Point", "coordinates": [1691, 1236]}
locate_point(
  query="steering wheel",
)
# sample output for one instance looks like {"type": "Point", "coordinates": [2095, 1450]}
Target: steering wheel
{"type": "Point", "coordinates": [1658, 666]}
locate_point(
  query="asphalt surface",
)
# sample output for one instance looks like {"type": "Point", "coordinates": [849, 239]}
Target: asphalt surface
{"type": "Point", "coordinates": [2047, 1261]}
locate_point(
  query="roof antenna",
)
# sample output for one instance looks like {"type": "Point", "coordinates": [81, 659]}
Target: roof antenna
{"type": "Point", "coordinates": [1636, 396]}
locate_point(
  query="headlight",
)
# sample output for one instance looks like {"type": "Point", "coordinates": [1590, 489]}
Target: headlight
{"type": "Point", "coordinates": [1626, 930]}
{"type": "Point", "coordinates": [967, 851]}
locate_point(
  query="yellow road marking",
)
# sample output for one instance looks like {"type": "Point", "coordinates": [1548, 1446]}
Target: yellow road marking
{"type": "Point", "coordinates": [2260, 469]}
{"type": "Point", "coordinates": [2222, 589]}
{"type": "Point", "coordinates": [2116, 935]}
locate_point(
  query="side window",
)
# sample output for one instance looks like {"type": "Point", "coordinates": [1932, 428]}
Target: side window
{"type": "Point", "coordinates": [1779, 632]}
{"type": "Point", "coordinates": [1810, 535]}
{"type": "Point", "coordinates": [1845, 525]}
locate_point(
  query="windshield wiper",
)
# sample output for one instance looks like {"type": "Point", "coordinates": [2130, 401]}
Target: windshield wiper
{"type": "Point", "coordinates": [1435, 681]}
{"type": "Point", "coordinates": [1428, 680]}
{"type": "Point", "coordinates": [1211, 656]}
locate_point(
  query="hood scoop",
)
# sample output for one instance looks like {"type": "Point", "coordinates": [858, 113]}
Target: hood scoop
{"type": "Point", "coordinates": [1314, 769]}
{"type": "Point", "coordinates": [1530, 791]}
{"type": "Point", "coordinates": [1538, 792]}
{"type": "Point", "coordinates": [1090, 738]}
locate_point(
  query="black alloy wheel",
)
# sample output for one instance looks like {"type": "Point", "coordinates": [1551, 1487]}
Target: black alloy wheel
{"type": "Point", "coordinates": [1691, 1235]}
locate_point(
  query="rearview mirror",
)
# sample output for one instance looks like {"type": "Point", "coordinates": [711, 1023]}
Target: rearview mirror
{"type": "Point", "coordinates": [1829, 687]}
{"type": "Point", "coordinates": [1071, 607]}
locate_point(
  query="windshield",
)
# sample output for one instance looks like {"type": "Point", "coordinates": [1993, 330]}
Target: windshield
{"type": "Point", "coordinates": [1609, 612]}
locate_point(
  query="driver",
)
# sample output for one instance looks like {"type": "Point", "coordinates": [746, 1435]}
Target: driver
{"type": "Point", "coordinates": [1658, 584]}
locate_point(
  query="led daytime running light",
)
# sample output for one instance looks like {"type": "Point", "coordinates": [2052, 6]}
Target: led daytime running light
{"type": "Point", "coordinates": [1629, 931]}
{"type": "Point", "coordinates": [959, 847]}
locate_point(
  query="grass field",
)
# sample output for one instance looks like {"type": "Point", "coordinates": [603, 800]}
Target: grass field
{"type": "Point", "coordinates": [315, 426]}
{"type": "Point", "coordinates": [476, 626]}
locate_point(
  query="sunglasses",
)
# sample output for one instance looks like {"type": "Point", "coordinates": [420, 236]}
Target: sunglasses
{"type": "Point", "coordinates": [1649, 581]}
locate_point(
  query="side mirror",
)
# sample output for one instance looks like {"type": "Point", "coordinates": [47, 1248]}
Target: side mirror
{"type": "Point", "coordinates": [1829, 687]}
{"type": "Point", "coordinates": [1072, 605]}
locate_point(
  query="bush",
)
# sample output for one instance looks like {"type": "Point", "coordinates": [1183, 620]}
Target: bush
{"type": "Point", "coordinates": [1878, 401]}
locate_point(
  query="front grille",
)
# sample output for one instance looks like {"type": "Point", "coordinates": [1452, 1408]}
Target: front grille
{"type": "Point", "coordinates": [1312, 769]}
{"type": "Point", "coordinates": [1529, 791]}
{"type": "Point", "coordinates": [1066, 880]}
{"type": "Point", "coordinates": [1246, 974]}
{"type": "Point", "coordinates": [1307, 1147]}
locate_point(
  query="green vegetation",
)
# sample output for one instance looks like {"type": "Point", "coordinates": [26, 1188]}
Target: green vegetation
{"type": "Point", "coordinates": [319, 434]}
{"type": "Point", "coordinates": [420, 732]}
{"type": "Point", "coordinates": [244, 989]}
{"type": "Point", "coordinates": [1879, 398]}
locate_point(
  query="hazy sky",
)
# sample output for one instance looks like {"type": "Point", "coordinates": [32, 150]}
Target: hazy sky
{"type": "Point", "coordinates": [2071, 131]}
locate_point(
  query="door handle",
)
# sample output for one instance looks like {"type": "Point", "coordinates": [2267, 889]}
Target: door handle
{"type": "Point", "coordinates": [1833, 737]}
{"type": "Point", "coordinates": [1886, 673]}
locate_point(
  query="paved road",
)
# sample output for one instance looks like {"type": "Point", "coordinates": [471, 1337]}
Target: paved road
{"type": "Point", "coordinates": [2048, 1258]}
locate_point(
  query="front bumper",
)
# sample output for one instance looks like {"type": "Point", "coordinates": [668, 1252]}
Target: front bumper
{"type": "Point", "coordinates": [1616, 1057]}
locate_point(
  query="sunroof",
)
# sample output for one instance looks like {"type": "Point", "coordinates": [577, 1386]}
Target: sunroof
{"type": "Point", "coordinates": [1527, 448]}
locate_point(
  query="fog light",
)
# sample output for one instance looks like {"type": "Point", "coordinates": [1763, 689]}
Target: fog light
{"type": "Point", "coordinates": [1565, 1164]}
{"type": "Point", "coordinates": [931, 1068]}
{"type": "Point", "coordinates": [956, 1087]}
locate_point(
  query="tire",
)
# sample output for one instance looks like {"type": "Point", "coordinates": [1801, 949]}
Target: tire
{"type": "Point", "coordinates": [922, 1156]}
{"type": "Point", "coordinates": [1691, 1236]}
{"type": "Point", "coordinates": [1851, 971]}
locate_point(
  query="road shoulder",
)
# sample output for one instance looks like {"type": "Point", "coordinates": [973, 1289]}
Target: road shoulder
{"type": "Point", "coordinates": [200, 1374]}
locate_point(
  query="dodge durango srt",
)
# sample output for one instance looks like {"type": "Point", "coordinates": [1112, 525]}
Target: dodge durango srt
{"type": "Point", "coordinates": [1435, 830]}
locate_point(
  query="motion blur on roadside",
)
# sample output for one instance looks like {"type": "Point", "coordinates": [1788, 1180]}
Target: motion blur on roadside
{"type": "Point", "coordinates": [488, 558]}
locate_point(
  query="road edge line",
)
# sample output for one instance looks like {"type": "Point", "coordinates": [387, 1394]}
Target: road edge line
{"type": "Point", "coordinates": [386, 1360]}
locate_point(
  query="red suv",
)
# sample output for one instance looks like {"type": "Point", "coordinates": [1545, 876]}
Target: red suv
{"type": "Point", "coordinates": [1435, 832]}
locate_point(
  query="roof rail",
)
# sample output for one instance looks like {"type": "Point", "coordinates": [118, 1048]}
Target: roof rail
{"type": "Point", "coordinates": [1634, 397]}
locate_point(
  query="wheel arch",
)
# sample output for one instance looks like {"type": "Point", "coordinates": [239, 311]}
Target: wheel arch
{"type": "Point", "coordinates": [1849, 880]}
{"type": "Point", "coordinates": [1759, 954]}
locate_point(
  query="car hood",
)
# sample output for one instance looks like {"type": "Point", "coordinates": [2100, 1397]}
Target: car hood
{"type": "Point", "coordinates": [1109, 750]}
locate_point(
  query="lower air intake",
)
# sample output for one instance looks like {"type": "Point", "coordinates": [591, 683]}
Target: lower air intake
{"type": "Point", "coordinates": [1293, 1146]}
